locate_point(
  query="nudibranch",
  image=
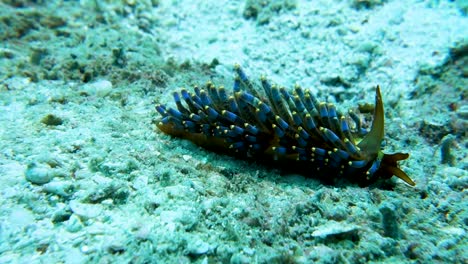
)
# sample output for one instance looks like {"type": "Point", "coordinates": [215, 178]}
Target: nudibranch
{"type": "Point", "coordinates": [292, 129]}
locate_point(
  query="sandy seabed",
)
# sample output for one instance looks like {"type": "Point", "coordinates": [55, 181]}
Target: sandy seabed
{"type": "Point", "coordinates": [87, 178]}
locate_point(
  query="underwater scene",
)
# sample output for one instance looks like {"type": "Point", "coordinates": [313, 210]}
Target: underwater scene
{"type": "Point", "coordinates": [233, 131]}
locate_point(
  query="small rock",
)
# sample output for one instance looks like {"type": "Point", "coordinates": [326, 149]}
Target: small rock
{"type": "Point", "coordinates": [198, 247]}
{"type": "Point", "coordinates": [60, 215]}
{"type": "Point", "coordinates": [140, 182]}
{"type": "Point", "coordinates": [389, 221]}
{"type": "Point", "coordinates": [51, 120]}
{"type": "Point", "coordinates": [99, 88]}
{"type": "Point", "coordinates": [333, 229]}
{"type": "Point", "coordinates": [60, 188]}
{"type": "Point", "coordinates": [462, 112]}
{"type": "Point", "coordinates": [115, 247]}
{"type": "Point", "coordinates": [73, 224]}
{"type": "Point", "coordinates": [39, 174]}
{"type": "Point", "coordinates": [85, 210]}
{"type": "Point", "coordinates": [454, 231]}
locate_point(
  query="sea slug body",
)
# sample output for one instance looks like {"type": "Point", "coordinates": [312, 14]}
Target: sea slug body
{"type": "Point", "coordinates": [292, 129]}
